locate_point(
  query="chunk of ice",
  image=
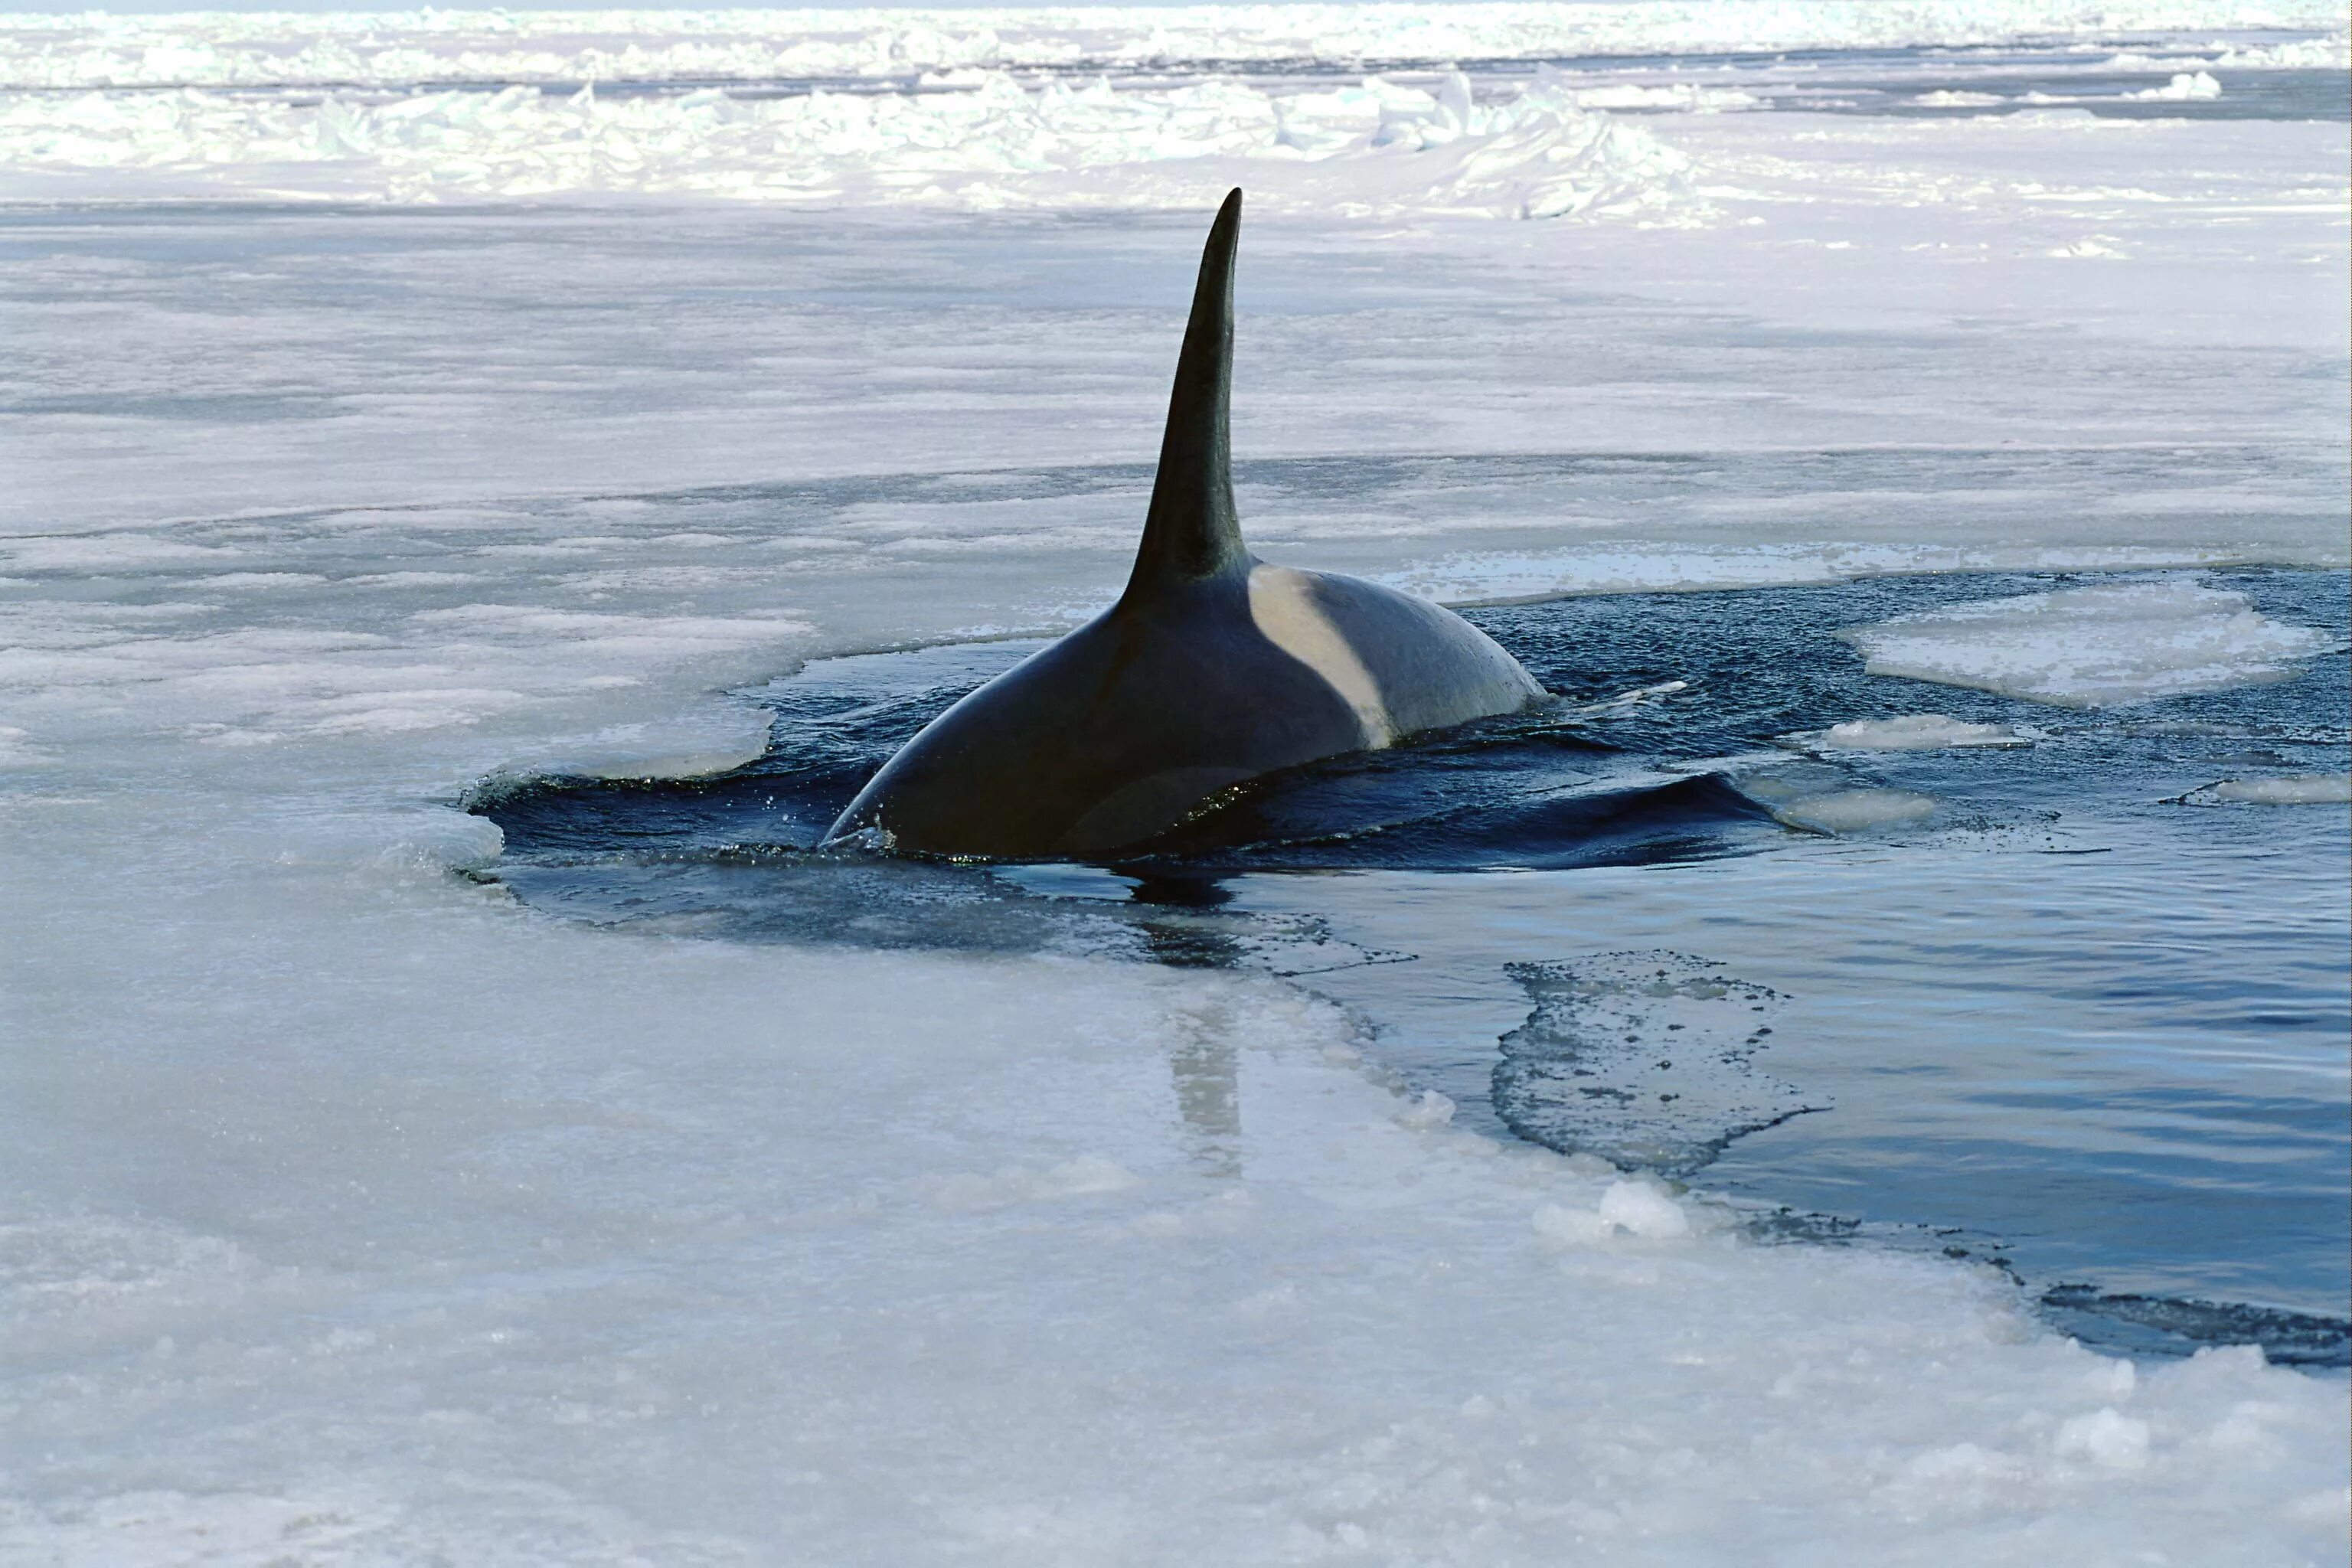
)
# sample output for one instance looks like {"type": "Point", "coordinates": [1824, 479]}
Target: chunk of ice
{"type": "Point", "coordinates": [2287, 789]}
{"type": "Point", "coordinates": [1845, 811]}
{"type": "Point", "coordinates": [2183, 87]}
{"type": "Point", "coordinates": [1644, 1210]}
{"type": "Point", "coordinates": [1912, 732]}
{"type": "Point", "coordinates": [1431, 1109]}
{"type": "Point", "coordinates": [1631, 1207]}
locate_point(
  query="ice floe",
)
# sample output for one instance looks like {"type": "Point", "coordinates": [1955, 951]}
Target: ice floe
{"type": "Point", "coordinates": [1849, 811]}
{"type": "Point", "coordinates": [2091, 648]}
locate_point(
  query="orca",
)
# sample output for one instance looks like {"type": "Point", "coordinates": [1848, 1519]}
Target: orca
{"type": "Point", "coordinates": [1212, 667]}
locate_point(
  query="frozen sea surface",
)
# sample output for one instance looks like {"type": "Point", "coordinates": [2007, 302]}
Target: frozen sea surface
{"type": "Point", "coordinates": [380, 437]}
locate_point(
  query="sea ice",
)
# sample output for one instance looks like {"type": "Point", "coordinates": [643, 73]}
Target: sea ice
{"type": "Point", "coordinates": [2091, 648]}
{"type": "Point", "coordinates": [987, 144]}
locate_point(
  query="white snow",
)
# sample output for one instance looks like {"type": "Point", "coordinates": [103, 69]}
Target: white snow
{"type": "Point", "coordinates": [2091, 648]}
{"type": "Point", "coordinates": [356, 1214]}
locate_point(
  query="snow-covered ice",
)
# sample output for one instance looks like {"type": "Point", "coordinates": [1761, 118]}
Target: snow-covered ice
{"type": "Point", "coordinates": [381, 424]}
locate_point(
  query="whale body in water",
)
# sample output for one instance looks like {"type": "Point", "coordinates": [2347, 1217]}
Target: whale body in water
{"type": "Point", "coordinates": [1212, 667]}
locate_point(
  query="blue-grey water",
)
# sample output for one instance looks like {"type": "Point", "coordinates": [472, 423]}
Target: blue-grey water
{"type": "Point", "coordinates": [2070, 1022]}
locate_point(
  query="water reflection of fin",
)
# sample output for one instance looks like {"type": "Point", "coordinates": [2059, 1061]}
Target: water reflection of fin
{"type": "Point", "coordinates": [1206, 1073]}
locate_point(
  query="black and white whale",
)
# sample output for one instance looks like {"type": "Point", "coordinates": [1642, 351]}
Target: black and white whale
{"type": "Point", "coordinates": [1212, 667]}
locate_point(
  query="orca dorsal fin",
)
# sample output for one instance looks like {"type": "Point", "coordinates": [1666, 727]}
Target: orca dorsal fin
{"type": "Point", "coordinates": [1192, 531]}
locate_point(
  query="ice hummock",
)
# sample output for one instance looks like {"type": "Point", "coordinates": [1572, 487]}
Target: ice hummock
{"type": "Point", "coordinates": [991, 141]}
{"type": "Point", "coordinates": [2103, 645]}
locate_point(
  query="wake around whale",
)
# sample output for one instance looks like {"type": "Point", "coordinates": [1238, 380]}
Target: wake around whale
{"type": "Point", "coordinates": [1212, 668]}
